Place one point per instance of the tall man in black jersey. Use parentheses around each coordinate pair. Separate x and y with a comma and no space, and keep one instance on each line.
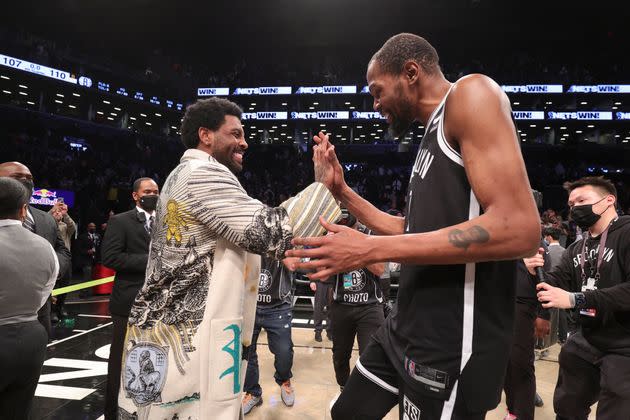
(470,213)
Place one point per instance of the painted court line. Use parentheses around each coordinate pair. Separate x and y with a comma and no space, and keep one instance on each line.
(80,334)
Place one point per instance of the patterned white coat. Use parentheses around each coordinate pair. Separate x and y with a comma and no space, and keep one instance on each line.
(183,353)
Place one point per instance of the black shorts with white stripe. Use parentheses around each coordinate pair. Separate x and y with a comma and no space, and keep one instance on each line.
(374,388)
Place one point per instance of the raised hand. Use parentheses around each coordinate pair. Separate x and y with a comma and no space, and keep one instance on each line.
(328,170)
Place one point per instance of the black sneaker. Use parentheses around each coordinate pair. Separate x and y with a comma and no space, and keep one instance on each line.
(329,335)
(318,336)
(538,402)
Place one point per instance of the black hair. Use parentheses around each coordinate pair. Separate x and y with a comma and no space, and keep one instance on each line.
(138,182)
(554,232)
(209,113)
(598,182)
(401,48)
(13,196)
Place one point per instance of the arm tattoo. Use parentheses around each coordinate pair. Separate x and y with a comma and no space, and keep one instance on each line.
(463,239)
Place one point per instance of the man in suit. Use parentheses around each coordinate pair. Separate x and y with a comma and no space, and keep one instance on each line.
(552,236)
(42,224)
(125,248)
(85,251)
(555,252)
(28,269)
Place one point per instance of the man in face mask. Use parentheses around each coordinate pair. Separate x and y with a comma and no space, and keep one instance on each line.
(593,279)
(125,249)
(42,224)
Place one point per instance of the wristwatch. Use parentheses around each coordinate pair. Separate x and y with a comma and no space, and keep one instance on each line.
(580,301)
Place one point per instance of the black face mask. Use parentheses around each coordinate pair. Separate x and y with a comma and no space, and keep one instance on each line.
(28,183)
(149,202)
(584,215)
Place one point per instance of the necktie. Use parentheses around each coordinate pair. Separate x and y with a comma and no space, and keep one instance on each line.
(149,224)
(29,224)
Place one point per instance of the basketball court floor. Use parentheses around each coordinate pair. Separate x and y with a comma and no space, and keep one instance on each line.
(72,384)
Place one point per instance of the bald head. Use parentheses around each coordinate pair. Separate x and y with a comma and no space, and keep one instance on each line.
(19,172)
(15,170)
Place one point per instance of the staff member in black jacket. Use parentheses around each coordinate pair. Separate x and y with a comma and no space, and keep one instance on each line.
(125,249)
(593,278)
(41,224)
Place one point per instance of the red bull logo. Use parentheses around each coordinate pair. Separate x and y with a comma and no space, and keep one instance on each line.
(44,193)
(44,197)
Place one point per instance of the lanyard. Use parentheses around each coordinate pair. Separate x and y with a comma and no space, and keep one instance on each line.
(600,254)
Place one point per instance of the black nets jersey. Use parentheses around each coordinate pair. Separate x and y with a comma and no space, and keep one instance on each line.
(452,324)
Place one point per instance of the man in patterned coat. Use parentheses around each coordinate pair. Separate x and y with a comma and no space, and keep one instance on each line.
(193,318)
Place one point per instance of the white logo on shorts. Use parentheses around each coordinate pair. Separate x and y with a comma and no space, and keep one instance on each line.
(411,412)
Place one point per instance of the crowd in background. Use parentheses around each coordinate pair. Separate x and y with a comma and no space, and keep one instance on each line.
(101,171)
(174,76)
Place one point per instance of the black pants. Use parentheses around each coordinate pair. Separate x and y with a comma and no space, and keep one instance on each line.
(43,316)
(520,378)
(114,366)
(62,282)
(374,388)
(321,312)
(22,353)
(587,376)
(348,322)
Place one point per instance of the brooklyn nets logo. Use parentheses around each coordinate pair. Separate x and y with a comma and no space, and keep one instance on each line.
(354,281)
(265,281)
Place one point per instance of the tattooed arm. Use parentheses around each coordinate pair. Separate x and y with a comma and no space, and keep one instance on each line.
(478,122)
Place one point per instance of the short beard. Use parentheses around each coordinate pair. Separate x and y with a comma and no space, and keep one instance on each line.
(232,167)
(401,122)
(225,160)
(398,128)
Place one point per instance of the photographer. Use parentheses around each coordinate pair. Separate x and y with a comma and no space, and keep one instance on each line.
(273,314)
(356,310)
(593,278)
